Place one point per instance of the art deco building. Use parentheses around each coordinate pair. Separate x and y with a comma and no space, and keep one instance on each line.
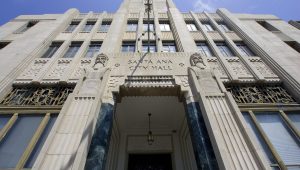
(132,91)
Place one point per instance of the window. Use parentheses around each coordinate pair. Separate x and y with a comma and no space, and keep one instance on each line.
(244,49)
(267,26)
(52,49)
(128,47)
(191,27)
(204,49)
(145,26)
(169,46)
(73,48)
(275,128)
(149,46)
(224,49)
(72,26)
(27,131)
(104,26)
(207,26)
(224,27)
(94,47)
(88,26)
(164,26)
(293,44)
(132,26)
(3,44)
(26,27)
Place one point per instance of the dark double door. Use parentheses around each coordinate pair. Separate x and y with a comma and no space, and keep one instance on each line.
(150,162)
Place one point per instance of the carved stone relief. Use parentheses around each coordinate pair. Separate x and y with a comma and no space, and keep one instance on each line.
(263,69)
(215,66)
(79,71)
(239,69)
(34,69)
(59,69)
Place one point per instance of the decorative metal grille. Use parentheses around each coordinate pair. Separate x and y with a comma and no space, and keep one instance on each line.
(37,96)
(260,94)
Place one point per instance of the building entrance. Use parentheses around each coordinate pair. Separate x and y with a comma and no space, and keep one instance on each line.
(172,147)
(150,162)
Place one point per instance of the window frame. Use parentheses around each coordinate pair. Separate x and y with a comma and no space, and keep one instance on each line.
(165,26)
(26,27)
(93,48)
(244,49)
(89,25)
(203,51)
(72,26)
(224,49)
(132,26)
(191,27)
(128,45)
(169,45)
(50,54)
(74,51)
(152,46)
(208,27)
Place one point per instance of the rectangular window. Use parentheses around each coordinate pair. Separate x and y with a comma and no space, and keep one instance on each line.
(282,138)
(132,26)
(224,27)
(73,48)
(104,26)
(295,118)
(224,49)
(244,49)
(94,48)
(145,26)
(267,26)
(191,27)
(52,49)
(26,27)
(293,44)
(204,49)
(164,26)
(151,47)
(128,47)
(88,26)
(207,26)
(72,26)
(3,44)
(169,46)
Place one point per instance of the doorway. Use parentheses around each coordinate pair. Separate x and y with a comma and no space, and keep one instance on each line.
(149,162)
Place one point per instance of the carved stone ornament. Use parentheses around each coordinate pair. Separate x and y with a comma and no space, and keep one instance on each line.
(100,61)
(198,60)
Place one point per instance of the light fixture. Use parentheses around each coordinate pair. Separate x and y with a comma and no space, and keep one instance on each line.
(150,138)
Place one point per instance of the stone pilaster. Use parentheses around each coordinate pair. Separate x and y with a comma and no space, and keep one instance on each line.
(229,142)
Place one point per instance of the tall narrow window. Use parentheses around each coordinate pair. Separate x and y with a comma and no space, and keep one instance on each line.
(88,26)
(128,46)
(224,49)
(132,26)
(3,44)
(267,26)
(73,48)
(26,27)
(207,26)
(224,27)
(151,46)
(164,26)
(293,44)
(204,49)
(244,49)
(72,26)
(94,47)
(104,26)
(145,26)
(169,46)
(191,27)
(52,49)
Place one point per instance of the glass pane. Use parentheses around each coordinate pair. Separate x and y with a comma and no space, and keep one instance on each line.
(281,137)
(40,142)
(17,139)
(259,139)
(3,120)
(295,118)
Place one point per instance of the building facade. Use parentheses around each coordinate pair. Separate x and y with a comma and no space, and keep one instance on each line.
(128,91)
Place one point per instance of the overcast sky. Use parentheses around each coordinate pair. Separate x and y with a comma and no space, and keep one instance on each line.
(285,9)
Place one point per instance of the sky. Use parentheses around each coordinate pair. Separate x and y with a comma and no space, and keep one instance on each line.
(284,9)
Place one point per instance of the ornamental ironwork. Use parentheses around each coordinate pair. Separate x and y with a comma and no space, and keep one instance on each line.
(37,96)
(260,94)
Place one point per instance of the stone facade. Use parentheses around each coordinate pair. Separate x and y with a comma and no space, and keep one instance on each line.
(84,132)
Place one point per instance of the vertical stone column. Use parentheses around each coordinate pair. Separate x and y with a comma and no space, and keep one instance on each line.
(98,151)
(68,143)
(182,36)
(204,154)
(231,145)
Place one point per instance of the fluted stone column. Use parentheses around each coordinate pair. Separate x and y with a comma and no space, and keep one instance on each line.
(223,122)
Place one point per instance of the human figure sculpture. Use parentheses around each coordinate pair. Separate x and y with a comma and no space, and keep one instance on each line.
(198,61)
